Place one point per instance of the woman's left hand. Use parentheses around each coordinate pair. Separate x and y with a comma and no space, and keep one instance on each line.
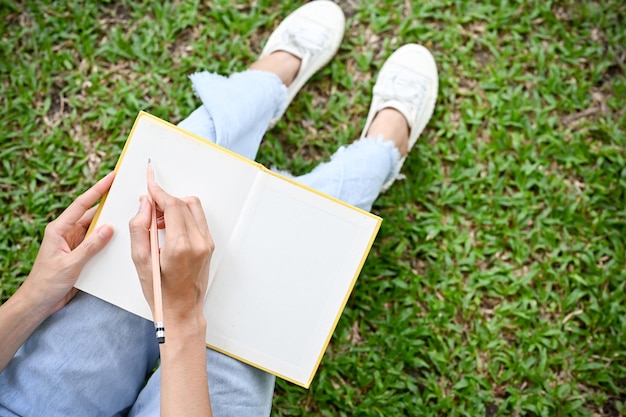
(65,250)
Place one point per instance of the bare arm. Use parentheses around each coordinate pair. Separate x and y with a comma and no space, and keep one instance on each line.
(49,286)
(19,317)
(184,385)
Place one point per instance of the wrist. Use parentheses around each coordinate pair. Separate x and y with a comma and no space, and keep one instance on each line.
(181,312)
(40,305)
(29,307)
(184,324)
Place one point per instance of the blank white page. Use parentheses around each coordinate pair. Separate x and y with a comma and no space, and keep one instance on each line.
(286,277)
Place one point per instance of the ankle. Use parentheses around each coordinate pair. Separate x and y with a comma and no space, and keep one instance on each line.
(392,126)
(281,63)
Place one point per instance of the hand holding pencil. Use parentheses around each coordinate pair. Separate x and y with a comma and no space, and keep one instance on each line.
(184,257)
(184,260)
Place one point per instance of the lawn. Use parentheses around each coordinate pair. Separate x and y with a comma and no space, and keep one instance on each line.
(496,286)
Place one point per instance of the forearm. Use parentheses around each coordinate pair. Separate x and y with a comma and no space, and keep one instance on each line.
(184,385)
(19,317)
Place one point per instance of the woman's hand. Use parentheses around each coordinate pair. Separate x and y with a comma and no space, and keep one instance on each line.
(185,255)
(65,250)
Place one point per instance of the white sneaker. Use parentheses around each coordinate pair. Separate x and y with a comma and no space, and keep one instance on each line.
(407,82)
(312,33)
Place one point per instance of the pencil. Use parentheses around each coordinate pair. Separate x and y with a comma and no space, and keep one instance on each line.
(156,267)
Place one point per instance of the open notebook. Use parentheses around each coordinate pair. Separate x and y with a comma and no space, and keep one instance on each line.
(286,256)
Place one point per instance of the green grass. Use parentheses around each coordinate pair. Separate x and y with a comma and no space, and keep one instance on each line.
(497,283)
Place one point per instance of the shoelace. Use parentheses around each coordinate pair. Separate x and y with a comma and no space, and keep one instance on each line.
(307,37)
(403,85)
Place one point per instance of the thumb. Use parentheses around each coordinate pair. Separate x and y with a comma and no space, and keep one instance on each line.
(92,244)
(140,235)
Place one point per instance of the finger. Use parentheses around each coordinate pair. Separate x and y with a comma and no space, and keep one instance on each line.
(92,245)
(85,221)
(197,212)
(139,227)
(160,219)
(173,210)
(83,203)
(157,194)
(141,253)
(159,212)
(194,234)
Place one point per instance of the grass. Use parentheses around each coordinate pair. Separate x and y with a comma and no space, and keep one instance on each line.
(496,285)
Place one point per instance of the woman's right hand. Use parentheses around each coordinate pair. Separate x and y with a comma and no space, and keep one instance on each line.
(184,260)
(184,257)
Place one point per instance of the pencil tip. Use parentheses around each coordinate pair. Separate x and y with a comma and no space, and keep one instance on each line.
(149,160)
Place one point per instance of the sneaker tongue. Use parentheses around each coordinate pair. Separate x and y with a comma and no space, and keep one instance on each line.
(402,85)
(404,91)
(305,38)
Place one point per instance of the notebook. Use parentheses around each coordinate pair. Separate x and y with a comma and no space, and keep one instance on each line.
(286,257)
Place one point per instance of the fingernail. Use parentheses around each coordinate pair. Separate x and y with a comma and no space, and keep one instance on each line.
(105,231)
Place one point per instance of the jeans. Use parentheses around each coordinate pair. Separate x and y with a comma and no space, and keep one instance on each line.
(94,359)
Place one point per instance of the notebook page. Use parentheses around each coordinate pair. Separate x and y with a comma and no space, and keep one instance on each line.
(286,277)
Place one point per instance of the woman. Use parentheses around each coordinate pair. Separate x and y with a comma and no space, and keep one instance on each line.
(87,357)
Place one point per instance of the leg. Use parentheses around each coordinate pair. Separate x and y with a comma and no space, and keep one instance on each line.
(356,173)
(90,358)
(236,110)
(235,113)
(403,102)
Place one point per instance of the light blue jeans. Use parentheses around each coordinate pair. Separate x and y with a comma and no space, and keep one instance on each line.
(94,359)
